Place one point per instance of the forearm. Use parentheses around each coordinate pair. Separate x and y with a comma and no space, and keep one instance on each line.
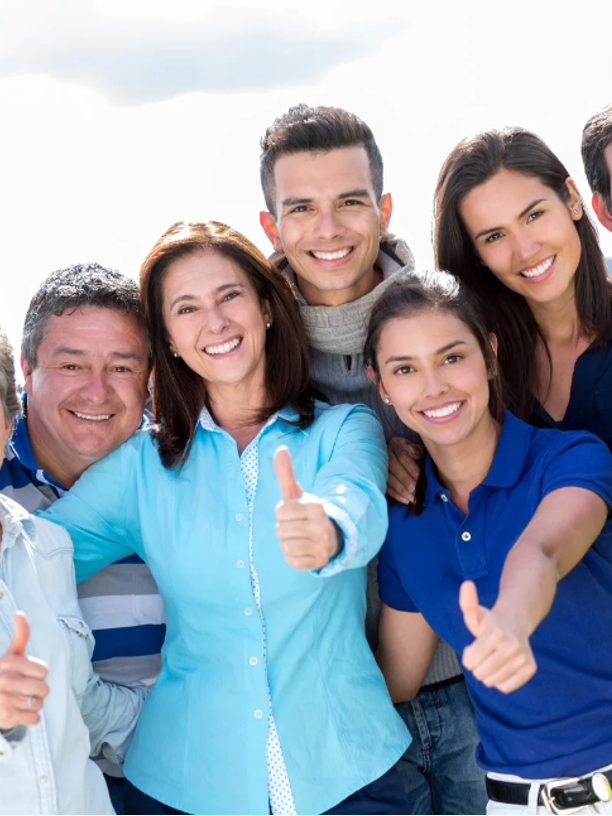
(527,586)
(110,713)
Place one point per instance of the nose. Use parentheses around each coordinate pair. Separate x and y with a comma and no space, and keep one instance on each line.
(434,382)
(216,321)
(98,389)
(525,245)
(329,224)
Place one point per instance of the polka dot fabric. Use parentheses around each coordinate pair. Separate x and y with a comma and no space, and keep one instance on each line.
(279,789)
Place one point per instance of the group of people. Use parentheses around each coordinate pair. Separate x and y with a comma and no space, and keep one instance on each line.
(339,527)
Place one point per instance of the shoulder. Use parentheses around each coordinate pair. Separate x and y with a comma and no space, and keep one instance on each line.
(335,418)
(547,444)
(45,538)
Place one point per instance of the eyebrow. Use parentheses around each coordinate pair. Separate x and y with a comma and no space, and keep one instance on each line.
(116,355)
(219,289)
(294,201)
(404,357)
(520,215)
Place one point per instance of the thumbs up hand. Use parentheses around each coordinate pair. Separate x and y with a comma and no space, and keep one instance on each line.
(22,680)
(500,656)
(308,537)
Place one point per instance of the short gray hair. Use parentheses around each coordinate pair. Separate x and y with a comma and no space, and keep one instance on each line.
(8,385)
(72,288)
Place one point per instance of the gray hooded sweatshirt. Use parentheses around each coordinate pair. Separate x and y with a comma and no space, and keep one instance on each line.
(336,337)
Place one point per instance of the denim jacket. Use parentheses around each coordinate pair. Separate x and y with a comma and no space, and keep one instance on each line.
(49,770)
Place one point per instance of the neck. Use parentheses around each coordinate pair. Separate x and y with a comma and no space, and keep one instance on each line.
(339,297)
(236,406)
(59,467)
(558,320)
(464,466)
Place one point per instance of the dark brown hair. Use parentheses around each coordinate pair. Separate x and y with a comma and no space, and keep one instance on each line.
(441,292)
(596,137)
(179,393)
(315,130)
(470,164)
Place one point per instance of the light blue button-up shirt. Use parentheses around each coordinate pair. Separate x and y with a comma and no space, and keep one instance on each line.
(200,744)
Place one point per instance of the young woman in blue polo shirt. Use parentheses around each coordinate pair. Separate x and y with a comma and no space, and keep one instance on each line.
(504,555)
(511,226)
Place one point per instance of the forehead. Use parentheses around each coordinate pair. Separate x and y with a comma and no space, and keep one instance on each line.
(423,333)
(94,330)
(502,198)
(316,175)
(200,272)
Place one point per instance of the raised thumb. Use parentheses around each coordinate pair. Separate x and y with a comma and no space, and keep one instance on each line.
(21,633)
(473,613)
(283,469)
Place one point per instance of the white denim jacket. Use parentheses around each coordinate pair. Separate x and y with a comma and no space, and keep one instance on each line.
(49,770)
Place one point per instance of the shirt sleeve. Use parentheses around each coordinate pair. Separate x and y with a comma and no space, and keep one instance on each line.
(390,586)
(352,486)
(579,459)
(95,513)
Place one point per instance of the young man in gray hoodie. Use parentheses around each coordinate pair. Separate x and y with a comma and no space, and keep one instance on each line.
(328,221)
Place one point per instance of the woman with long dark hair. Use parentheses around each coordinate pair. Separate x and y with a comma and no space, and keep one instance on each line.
(504,554)
(269,699)
(512,227)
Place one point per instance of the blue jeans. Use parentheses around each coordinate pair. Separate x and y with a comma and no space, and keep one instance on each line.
(439,769)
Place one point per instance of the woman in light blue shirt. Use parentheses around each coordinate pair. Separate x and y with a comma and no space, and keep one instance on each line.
(269,699)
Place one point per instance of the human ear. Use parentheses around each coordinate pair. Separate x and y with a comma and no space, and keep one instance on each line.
(268,224)
(386,208)
(27,375)
(601,211)
(574,204)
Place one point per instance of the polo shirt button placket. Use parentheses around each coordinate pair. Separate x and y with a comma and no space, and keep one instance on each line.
(466,536)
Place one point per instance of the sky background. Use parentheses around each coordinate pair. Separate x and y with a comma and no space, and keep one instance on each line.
(118,118)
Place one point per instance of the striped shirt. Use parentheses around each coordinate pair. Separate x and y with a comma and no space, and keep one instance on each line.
(121,603)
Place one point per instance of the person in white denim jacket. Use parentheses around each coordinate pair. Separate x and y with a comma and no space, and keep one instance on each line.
(54,710)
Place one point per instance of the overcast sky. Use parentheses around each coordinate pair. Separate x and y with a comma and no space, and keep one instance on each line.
(119,118)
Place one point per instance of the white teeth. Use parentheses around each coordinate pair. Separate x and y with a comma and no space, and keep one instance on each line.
(224,347)
(446,411)
(331,256)
(92,417)
(540,269)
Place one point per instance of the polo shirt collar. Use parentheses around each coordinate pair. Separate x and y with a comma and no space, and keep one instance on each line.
(508,462)
(22,448)
(288,414)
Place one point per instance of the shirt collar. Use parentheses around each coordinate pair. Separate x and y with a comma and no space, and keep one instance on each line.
(508,462)
(15,521)
(22,448)
(287,414)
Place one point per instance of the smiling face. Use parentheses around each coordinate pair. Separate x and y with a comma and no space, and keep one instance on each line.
(433,372)
(525,234)
(329,223)
(215,321)
(87,393)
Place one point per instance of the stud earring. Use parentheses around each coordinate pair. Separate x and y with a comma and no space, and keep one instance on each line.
(175,354)
(387,401)
(576,210)
(268,325)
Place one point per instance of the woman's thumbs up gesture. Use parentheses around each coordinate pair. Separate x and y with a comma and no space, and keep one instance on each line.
(308,537)
(22,680)
(500,656)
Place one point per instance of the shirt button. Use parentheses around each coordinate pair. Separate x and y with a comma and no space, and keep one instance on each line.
(466,536)
(240,563)
(43,780)
(248,611)
(444,497)
(239,517)
(258,714)
(253,661)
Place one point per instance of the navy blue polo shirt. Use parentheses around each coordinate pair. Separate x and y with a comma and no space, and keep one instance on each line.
(590,402)
(560,722)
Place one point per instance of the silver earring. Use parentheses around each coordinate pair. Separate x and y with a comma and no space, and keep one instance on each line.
(576,210)
(268,325)
(387,401)
(175,354)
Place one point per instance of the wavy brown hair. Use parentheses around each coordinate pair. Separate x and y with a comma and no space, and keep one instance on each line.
(179,393)
(471,163)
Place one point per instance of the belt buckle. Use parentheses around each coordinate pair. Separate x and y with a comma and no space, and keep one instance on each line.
(548,797)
